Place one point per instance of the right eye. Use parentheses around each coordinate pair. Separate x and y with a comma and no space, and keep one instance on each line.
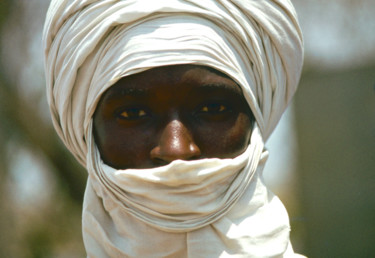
(132,113)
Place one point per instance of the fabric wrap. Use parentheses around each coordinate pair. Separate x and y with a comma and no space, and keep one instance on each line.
(202,208)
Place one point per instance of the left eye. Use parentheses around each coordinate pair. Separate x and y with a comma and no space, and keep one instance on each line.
(214,108)
(132,113)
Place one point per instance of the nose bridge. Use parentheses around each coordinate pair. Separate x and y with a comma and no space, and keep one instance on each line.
(175,142)
(175,134)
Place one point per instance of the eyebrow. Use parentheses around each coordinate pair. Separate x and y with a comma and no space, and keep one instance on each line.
(221,86)
(121,91)
(207,88)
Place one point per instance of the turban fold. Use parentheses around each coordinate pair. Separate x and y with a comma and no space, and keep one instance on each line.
(89,45)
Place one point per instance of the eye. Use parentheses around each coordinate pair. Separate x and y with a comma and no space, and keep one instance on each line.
(132,113)
(214,108)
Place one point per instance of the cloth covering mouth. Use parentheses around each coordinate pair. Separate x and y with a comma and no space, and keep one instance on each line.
(182,196)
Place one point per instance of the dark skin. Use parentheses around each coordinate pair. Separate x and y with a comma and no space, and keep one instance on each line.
(184,112)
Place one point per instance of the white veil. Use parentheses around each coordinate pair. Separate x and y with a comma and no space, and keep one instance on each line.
(228,211)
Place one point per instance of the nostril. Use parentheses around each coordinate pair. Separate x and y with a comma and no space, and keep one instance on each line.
(160,162)
(162,155)
(166,158)
(195,152)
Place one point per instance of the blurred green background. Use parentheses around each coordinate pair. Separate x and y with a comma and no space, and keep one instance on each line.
(322,158)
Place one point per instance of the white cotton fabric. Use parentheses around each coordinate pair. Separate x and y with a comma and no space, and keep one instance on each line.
(202,208)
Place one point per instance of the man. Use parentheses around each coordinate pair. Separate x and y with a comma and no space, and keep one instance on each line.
(168,105)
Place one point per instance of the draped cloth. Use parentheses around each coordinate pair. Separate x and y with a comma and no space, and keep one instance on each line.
(202,208)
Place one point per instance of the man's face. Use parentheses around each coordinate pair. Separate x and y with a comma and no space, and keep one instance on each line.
(167,113)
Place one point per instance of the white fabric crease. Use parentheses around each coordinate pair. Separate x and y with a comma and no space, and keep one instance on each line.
(202,208)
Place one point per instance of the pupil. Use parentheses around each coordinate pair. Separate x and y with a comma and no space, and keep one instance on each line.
(133,113)
(214,107)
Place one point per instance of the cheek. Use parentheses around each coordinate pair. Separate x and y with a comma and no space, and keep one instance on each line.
(226,140)
(121,148)
(240,134)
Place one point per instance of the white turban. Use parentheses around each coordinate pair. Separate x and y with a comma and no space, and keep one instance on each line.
(203,208)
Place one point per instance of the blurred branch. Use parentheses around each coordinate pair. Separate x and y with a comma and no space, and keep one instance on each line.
(6,221)
(20,119)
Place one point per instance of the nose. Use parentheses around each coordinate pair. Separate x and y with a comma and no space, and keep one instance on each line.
(176,142)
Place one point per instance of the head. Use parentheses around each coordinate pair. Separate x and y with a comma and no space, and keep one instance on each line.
(140,84)
(164,48)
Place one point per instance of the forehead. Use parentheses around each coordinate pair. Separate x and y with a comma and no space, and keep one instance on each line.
(175,79)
